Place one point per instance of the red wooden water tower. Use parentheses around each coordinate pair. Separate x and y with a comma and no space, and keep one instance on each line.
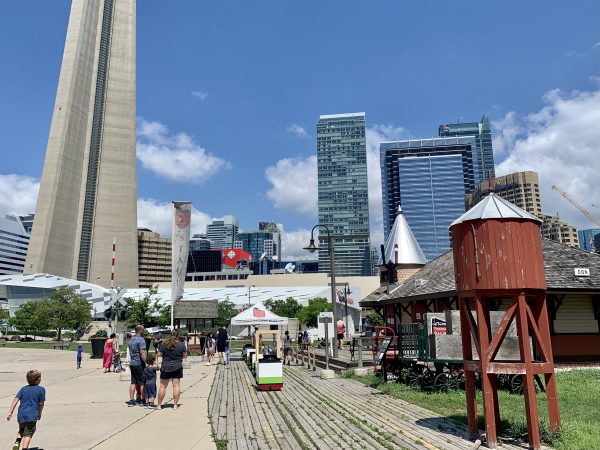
(498,255)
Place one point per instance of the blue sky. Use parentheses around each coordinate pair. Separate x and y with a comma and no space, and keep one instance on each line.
(234,90)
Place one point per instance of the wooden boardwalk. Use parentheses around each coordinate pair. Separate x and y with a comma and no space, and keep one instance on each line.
(311,413)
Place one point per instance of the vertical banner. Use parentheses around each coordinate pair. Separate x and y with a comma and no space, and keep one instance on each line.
(182,213)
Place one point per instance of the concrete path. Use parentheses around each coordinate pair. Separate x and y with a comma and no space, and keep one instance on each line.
(85,408)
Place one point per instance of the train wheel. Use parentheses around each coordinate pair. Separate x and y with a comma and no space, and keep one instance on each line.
(445,382)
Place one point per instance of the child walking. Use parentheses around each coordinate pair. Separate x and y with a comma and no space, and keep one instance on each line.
(32,398)
(79,355)
(150,382)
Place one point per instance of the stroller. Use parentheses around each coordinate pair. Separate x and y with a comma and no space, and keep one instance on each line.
(117,366)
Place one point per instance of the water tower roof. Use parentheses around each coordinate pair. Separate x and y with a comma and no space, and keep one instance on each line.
(402,238)
(494,207)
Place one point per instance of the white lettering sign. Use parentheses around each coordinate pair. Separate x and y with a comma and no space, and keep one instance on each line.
(582,272)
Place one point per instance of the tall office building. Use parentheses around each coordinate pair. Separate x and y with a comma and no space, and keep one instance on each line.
(154,258)
(343,192)
(14,240)
(521,189)
(199,242)
(87,192)
(586,239)
(483,140)
(223,232)
(429,179)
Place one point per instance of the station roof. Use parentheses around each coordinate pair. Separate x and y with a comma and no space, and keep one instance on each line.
(436,278)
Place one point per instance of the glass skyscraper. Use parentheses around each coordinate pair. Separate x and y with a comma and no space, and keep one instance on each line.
(222,233)
(483,140)
(429,179)
(343,192)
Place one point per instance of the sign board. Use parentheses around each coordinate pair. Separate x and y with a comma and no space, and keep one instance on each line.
(383,348)
(325,319)
(326,316)
(582,272)
(438,326)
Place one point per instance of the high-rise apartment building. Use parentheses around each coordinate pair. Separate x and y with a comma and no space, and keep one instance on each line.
(154,258)
(223,232)
(87,192)
(557,230)
(429,179)
(343,192)
(483,142)
(521,189)
(14,241)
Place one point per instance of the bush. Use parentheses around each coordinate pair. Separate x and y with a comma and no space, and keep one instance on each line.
(100,334)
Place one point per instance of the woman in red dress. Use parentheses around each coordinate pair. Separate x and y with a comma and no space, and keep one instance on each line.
(109,348)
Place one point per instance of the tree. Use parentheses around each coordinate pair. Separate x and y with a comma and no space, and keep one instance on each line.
(309,314)
(66,309)
(31,317)
(375,319)
(284,308)
(164,316)
(226,310)
(145,311)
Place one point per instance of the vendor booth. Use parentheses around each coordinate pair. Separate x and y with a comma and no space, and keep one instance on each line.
(265,360)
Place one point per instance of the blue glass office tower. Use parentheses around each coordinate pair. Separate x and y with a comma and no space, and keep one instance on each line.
(429,179)
(586,239)
(344,192)
(483,142)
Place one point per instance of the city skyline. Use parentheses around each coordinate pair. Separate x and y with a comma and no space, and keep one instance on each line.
(233,133)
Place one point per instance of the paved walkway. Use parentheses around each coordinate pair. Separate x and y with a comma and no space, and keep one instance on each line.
(85,408)
(311,413)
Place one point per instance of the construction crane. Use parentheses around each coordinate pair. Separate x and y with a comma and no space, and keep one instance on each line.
(576,204)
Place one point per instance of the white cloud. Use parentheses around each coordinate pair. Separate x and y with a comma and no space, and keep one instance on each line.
(18,194)
(294,184)
(596,45)
(158,217)
(176,157)
(560,142)
(376,135)
(200,94)
(293,243)
(296,129)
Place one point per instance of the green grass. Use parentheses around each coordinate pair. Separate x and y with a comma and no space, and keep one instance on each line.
(87,347)
(578,395)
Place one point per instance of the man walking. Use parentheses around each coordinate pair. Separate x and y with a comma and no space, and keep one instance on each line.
(138,354)
(341,332)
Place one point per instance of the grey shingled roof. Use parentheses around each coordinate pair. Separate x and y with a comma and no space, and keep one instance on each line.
(436,279)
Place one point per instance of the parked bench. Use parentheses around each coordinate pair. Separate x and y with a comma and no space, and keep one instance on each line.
(62,345)
(3,342)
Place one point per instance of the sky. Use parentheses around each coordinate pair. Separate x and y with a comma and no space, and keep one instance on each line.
(229,93)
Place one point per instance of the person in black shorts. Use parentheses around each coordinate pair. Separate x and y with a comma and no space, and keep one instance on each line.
(172,353)
(137,354)
(221,344)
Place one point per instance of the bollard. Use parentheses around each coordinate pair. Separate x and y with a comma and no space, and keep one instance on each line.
(314,361)
(360,361)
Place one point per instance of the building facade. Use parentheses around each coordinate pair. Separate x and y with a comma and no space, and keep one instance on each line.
(14,241)
(343,195)
(484,152)
(521,189)
(199,242)
(154,258)
(87,194)
(222,233)
(429,179)
(555,229)
(587,239)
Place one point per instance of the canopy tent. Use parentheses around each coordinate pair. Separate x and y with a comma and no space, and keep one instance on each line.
(258,314)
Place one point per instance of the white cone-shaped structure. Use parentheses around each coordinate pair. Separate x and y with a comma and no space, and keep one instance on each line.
(401,246)
(494,207)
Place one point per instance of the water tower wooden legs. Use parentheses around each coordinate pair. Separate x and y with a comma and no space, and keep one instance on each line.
(530,314)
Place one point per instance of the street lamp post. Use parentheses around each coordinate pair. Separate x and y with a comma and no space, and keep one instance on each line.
(331,250)
(347,292)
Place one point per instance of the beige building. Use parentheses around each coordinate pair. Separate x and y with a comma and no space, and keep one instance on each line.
(521,189)
(87,193)
(154,258)
(557,230)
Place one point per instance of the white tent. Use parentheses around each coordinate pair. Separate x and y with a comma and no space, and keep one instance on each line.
(258,314)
